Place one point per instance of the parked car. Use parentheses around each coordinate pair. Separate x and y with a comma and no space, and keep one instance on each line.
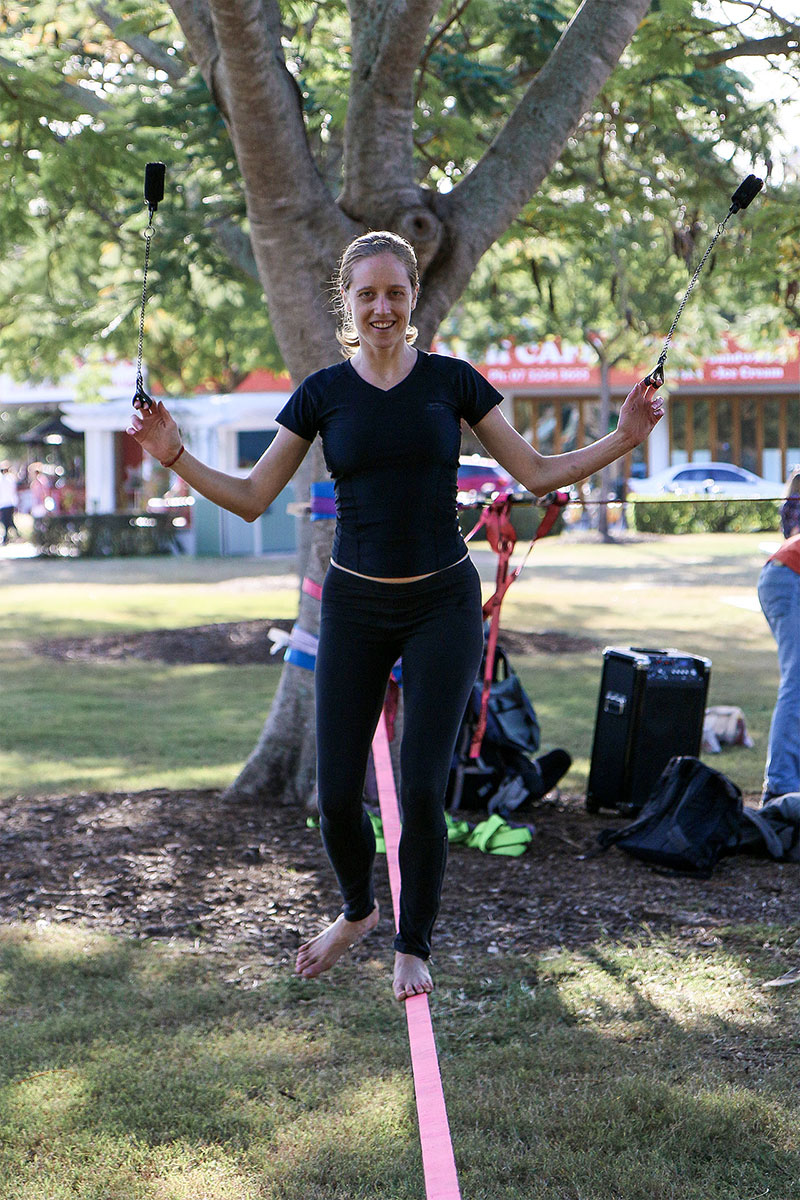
(479,476)
(698,478)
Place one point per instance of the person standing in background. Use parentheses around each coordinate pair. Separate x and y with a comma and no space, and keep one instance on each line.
(40,491)
(8,502)
(779,597)
(790,509)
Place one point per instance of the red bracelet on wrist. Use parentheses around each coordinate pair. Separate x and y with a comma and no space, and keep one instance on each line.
(172,461)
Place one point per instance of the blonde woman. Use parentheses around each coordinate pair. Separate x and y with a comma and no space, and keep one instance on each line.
(401,583)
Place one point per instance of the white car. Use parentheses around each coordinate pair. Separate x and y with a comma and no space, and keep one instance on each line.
(700,478)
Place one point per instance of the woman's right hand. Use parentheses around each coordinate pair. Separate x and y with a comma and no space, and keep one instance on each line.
(155,430)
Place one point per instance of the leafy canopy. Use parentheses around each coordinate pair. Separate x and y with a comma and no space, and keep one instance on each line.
(609,246)
(90,93)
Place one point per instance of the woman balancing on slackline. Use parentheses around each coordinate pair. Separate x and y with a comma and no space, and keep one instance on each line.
(401,582)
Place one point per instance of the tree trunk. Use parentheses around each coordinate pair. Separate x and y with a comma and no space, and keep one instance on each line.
(282,766)
(298,229)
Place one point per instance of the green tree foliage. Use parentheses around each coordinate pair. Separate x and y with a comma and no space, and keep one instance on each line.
(81,113)
(605,252)
(89,93)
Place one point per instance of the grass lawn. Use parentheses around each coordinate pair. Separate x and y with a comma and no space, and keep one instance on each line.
(641,1072)
(653,1067)
(132,725)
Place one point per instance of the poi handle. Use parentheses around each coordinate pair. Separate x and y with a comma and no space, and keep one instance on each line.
(656,377)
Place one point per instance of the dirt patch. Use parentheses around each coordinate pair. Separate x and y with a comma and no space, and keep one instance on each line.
(254,882)
(248,643)
(251,882)
(239,643)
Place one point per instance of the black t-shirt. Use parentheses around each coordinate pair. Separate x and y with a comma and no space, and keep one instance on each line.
(393,456)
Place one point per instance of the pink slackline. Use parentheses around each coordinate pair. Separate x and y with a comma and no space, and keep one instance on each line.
(438,1161)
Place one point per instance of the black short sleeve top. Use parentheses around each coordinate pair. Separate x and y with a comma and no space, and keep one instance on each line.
(393,456)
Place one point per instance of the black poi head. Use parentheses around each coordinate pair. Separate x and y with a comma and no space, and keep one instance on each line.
(154,174)
(746,192)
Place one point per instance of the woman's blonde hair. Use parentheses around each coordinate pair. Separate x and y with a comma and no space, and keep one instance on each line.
(369,245)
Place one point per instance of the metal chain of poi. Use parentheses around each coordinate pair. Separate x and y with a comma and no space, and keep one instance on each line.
(153,193)
(746,192)
(147,234)
(662,358)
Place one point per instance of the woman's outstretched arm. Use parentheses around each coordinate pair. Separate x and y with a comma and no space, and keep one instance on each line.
(541,473)
(247,496)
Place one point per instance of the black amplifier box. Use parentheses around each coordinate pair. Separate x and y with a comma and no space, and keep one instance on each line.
(651,707)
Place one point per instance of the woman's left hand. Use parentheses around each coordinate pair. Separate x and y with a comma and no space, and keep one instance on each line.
(641,412)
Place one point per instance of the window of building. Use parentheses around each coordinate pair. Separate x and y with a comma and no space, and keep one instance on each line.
(251,444)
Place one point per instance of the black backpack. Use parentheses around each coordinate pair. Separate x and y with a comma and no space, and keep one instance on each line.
(691,819)
(511,721)
(511,736)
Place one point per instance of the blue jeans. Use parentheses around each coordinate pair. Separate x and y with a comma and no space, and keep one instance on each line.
(779,597)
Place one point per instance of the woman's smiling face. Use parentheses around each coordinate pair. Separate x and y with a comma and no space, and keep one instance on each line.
(380,298)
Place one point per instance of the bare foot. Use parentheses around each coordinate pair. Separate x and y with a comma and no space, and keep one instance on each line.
(411,976)
(322,951)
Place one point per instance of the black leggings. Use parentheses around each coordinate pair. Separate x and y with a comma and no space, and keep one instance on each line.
(436,626)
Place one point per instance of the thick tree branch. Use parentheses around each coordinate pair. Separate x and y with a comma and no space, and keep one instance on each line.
(379,179)
(230,237)
(194,18)
(482,207)
(239,50)
(148,50)
(784,43)
(296,228)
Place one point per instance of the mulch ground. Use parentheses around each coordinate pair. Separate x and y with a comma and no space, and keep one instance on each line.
(245,642)
(252,882)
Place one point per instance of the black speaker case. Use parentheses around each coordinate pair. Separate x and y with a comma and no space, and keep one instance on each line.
(651,706)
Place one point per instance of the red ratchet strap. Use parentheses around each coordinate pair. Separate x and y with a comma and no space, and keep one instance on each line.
(502,537)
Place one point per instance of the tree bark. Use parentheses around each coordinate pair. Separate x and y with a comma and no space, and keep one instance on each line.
(298,228)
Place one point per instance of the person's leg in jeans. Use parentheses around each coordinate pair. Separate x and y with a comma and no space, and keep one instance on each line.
(353,664)
(440,664)
(779,596)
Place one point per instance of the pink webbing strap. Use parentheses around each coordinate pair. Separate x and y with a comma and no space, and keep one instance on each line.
(438,1161)
(312,589)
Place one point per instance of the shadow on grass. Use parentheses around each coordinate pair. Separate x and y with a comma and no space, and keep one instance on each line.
(638,1073)
(131,1065)
(650,1072)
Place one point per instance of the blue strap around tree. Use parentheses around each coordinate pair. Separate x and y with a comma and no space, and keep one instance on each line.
(323,502)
